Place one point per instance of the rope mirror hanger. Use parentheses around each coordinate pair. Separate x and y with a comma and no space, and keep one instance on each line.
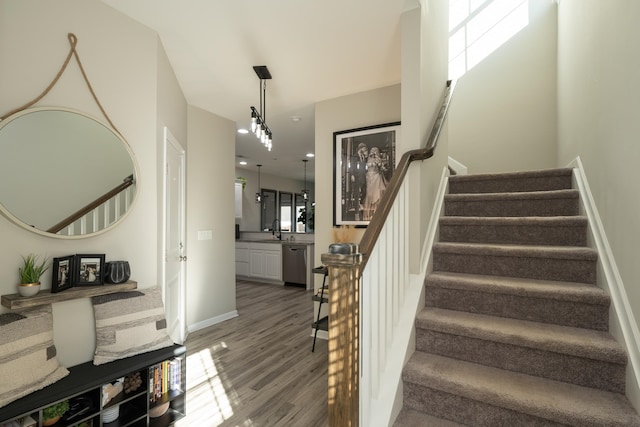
(73,42)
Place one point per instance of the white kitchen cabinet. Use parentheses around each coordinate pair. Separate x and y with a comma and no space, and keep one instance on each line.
(242,259)
(265,260)
(273,264)
(259,260)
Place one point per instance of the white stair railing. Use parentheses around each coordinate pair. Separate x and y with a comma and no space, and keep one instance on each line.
(102,216)
(383,288)
(369,284)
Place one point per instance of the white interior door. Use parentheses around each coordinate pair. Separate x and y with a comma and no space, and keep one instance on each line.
(174,263)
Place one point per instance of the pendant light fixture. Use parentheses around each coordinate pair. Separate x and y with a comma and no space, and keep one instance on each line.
(259,193)
(259,118)
(305,192)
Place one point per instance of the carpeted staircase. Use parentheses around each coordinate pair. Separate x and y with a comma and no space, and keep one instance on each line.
(514,332)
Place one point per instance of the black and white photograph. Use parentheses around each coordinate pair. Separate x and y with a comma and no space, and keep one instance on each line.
(89,269)
(364,160)
(62,274)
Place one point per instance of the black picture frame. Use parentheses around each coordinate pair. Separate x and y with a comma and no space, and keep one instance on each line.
(89,270)
(62,277)
(360,177)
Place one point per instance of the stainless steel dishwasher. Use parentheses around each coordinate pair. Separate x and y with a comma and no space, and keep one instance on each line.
(294,264)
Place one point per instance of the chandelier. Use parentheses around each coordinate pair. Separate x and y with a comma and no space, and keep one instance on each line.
(305,192)
(259,193)
(259,118)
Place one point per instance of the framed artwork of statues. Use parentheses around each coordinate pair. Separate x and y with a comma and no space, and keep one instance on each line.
(364,160)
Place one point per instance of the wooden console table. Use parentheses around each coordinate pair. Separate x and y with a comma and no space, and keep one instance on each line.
(16,301)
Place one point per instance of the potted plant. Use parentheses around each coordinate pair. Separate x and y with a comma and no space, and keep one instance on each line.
(51,414)
(30,272)
(243,180)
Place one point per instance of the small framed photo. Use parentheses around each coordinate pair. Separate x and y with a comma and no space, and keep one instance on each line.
(62,274)
(89,270)
(364,160)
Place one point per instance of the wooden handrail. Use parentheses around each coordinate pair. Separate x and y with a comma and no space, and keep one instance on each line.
(126,183)
(345,263)
(380,216)
(344,329)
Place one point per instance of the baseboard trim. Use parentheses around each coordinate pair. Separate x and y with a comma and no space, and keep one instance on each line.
(458,167)
(611,281)
(322,335)
(259,280)
(212,321)
(432,229)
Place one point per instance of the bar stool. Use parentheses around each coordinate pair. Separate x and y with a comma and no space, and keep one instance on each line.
(321,298)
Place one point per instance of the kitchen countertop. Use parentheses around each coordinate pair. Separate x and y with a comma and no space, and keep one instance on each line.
(276,241)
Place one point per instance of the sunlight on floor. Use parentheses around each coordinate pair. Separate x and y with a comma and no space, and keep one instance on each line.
(208,403)
(479,27)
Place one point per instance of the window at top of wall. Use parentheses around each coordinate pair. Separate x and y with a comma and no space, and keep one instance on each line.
(479,27)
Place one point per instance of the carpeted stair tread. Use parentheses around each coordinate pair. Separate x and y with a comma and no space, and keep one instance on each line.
(515,331)
(539,180)
(581,342)
(412,418)
(565,263)
(584,357)
(511,250)
(552,230)
(514,175)
(555,401)
(528,195)
(534,203)
(533,288)
(563,303)
(544,221)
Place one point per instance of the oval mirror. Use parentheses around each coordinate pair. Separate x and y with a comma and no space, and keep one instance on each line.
(63,173)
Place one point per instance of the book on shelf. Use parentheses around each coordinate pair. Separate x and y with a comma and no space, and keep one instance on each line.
(26,421)
(164,377)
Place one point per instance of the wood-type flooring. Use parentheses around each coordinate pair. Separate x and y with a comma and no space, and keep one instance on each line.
(257,369)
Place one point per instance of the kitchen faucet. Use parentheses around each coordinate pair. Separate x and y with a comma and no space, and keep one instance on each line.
(275,230)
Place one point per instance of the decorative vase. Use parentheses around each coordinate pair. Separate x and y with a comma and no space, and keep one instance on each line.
(51,421)
(28,289)
(117,272)
(111,414)
(159,410)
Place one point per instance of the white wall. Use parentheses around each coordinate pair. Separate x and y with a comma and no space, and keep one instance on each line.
(503,115)
(119,57)
(348,112)
(424,76)
(598,105)
(134,82)
(424,65)
(211,286)
(172,113)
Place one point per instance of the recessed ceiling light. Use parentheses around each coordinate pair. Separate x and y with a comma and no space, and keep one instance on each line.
(243,163)
(296,118)
(243,131)
(310,155)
